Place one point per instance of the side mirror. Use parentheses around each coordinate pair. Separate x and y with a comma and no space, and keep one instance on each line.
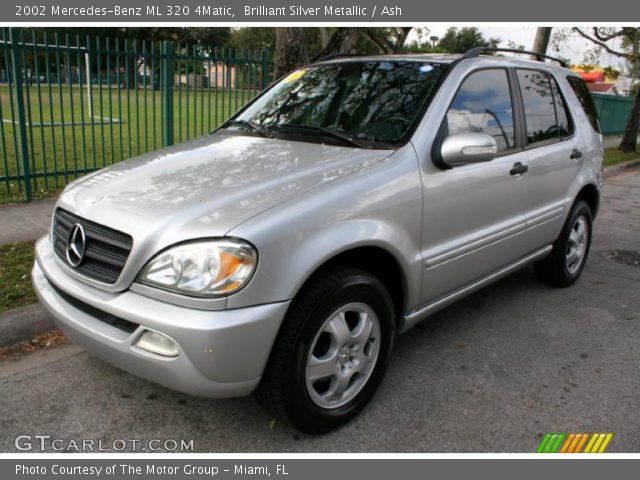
(464,148)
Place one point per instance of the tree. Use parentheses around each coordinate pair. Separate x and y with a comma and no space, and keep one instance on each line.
(370,40)
(343,40)
(254,38)
(294,47)
(388,39)
(630,51)
(611,73)
(198,38)
(291,51)
(459,40)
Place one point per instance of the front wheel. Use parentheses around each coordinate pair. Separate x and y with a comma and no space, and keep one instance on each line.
(566,261)
(331,352)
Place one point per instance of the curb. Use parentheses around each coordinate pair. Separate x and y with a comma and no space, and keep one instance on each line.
(23,323)
(620,167)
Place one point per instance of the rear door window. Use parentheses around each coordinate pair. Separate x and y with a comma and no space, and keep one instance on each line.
(546,115)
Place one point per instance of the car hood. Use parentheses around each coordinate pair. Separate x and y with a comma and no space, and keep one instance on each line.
(205,187)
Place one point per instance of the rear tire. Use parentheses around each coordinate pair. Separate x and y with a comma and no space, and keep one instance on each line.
(331,352)
(566,261)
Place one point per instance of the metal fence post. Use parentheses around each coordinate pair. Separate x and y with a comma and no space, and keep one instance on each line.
(265,69)
(14,38)
(167,92)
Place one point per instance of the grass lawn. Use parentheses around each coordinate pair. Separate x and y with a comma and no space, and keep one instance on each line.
(612,156)
(132,124)
(16,262)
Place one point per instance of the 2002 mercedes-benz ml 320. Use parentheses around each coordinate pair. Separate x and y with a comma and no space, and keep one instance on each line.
(350,200)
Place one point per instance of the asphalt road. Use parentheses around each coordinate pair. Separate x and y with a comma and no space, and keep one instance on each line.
(492,373)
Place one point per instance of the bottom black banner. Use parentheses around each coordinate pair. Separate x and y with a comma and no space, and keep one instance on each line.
(317,468)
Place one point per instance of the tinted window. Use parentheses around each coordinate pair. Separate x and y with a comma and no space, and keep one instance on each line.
(582,92)
(483,105)
(562,114)
(539,111)
(371,102)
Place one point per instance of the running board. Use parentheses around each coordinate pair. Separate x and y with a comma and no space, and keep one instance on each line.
(418,315)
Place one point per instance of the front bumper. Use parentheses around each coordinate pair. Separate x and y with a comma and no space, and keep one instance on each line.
(221,353)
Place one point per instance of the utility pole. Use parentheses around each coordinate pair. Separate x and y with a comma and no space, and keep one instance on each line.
(541,42)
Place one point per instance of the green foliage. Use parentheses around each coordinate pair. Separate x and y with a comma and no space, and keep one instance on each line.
(201,36)
(611,73)
(253,37)
(459,40)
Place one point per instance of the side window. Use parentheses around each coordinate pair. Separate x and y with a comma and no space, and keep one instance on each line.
(565,127)
(581,91)
(546,114)
(483,105)
(539,111)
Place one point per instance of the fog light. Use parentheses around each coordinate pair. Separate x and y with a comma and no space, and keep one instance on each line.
(158,343)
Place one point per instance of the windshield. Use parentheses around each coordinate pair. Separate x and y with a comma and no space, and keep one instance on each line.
(363,104)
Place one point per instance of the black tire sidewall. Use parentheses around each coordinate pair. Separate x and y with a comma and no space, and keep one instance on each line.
(580,209)
(301,409)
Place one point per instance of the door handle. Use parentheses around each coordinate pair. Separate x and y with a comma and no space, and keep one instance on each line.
(576,154)
(518,169)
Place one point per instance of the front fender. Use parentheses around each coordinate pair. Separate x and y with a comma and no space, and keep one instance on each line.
(380,206)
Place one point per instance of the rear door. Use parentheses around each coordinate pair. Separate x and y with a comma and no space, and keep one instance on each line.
(554,155)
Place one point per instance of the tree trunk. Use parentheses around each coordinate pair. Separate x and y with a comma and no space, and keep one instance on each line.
(541,42)
(630,138)
(291,50)
(403,33)
(388,41)
(343,40)
(324,37)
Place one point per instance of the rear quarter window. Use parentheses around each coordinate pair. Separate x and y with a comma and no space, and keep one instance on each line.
(582,92)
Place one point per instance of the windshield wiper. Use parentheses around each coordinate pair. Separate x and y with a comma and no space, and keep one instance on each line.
(251,125)
(323,130)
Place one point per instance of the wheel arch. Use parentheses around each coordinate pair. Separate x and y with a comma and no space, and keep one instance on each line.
(590,194)
(377,261)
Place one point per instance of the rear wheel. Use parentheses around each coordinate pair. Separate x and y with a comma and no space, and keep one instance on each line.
(566,261)
(331,352)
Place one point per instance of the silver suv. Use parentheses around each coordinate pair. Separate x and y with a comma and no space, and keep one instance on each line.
(351,200)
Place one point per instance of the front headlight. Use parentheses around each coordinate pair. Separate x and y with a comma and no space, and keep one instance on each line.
(204,268)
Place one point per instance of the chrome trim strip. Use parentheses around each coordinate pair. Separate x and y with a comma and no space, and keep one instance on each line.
(474,245)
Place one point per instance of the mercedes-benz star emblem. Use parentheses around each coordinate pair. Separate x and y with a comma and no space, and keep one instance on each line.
(76,245)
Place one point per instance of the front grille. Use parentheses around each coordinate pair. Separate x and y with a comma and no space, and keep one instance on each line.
(117,322)
(106,249)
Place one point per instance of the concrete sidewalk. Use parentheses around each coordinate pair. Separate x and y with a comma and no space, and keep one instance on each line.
(25,222)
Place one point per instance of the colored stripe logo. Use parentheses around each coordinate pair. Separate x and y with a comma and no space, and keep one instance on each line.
(574,442)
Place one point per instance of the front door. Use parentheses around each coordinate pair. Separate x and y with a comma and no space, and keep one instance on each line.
(473,215)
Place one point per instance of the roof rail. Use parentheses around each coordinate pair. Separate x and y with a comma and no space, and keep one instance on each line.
(474,52)
(333,56)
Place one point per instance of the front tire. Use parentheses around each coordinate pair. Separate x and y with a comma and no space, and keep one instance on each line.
(331,352)
(566,261)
